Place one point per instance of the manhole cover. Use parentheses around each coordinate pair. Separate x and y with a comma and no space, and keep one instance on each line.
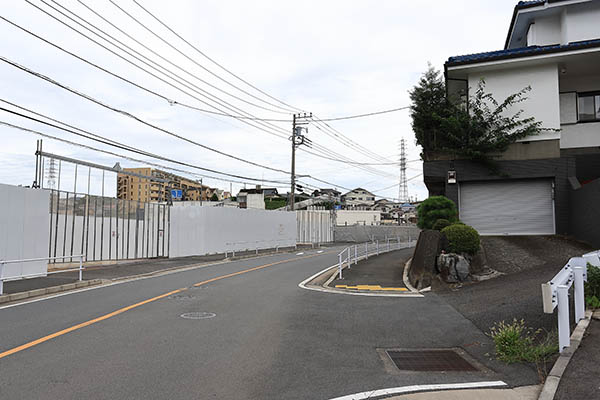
(429,360)
(198,315)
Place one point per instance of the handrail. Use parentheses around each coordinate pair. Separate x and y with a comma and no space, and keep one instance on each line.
(555,293)
(357,252)
(4,262)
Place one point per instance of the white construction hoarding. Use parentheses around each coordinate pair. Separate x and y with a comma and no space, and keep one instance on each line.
(210,230)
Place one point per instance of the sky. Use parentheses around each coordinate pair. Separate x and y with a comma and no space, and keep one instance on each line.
(332,59)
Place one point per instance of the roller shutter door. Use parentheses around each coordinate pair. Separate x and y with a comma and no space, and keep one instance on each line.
(508,207)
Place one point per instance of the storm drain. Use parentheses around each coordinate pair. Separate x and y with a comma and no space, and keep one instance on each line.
(429,360)
(198,315)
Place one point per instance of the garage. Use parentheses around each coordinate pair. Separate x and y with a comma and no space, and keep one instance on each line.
(516,207)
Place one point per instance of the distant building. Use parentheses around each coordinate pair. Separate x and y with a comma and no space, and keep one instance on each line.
(333,194)
(139,188)
(358,197)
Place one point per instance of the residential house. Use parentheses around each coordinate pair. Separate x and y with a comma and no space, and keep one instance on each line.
(333,194)
(358,197)
(553,47)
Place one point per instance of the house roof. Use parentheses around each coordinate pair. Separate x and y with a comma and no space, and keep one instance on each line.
(520,52)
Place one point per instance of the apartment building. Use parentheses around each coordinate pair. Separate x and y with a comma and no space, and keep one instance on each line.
(153,185)
(553,46)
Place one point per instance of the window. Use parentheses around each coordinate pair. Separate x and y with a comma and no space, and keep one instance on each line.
(589,107)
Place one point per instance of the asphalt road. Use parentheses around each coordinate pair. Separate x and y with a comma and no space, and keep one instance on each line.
(269,339)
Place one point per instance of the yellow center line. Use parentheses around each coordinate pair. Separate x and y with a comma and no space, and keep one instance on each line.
(141,303)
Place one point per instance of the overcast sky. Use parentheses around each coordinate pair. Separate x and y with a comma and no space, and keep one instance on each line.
(331,58)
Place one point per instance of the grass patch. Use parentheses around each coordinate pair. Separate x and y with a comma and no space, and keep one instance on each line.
(515,342)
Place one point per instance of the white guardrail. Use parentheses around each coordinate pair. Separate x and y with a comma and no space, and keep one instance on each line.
(19,277)
(556,293)
(357,252)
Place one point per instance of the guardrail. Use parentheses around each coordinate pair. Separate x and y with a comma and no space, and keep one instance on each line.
(357,252)
(555,293)
(255,245)
(15,278)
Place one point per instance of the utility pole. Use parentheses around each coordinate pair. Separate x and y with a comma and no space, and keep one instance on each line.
(297,140)
(293,178)
(402,185)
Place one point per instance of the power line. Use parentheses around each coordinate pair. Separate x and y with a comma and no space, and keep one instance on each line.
(286,110)
(124,147)
(212,60)
(127,114)
(365,115)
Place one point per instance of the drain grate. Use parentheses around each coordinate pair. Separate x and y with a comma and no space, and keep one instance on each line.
(429,360)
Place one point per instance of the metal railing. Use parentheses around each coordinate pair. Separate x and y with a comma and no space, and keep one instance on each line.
(19,277)
(353,254)
(555,293)
(255,246)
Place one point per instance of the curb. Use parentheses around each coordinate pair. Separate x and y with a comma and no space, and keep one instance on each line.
(553,379)
(5,298)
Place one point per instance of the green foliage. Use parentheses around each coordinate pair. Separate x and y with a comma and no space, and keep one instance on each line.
(462,238)
(515,342)
(592,287)
(275,203)
(214,197)
(440,224)
(474,131)
(434,208)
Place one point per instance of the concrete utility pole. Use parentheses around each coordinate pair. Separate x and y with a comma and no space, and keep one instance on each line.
(297,140)
(293,177)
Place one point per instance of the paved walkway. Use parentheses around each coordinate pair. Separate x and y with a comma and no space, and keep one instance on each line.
(581,379)
(379,273)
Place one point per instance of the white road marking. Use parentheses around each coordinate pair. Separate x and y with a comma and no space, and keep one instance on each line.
(301,253)
(319,252)
(420,388)
(325,290)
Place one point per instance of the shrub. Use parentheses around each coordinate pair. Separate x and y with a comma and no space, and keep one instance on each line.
(592,287)
(434,208)
(440,224)
(462,238)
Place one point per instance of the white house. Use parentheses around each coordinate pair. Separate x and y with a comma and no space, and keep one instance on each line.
(552,46)
(358,197)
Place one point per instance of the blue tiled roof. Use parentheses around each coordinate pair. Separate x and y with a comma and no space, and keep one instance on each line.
(520,52)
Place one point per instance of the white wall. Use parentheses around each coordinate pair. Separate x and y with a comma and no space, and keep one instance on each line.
(543,99)
(580,135)
(362,217)
(209,230)
(581,22)
(24,229)
(315,226)
(545,31)
(255,200)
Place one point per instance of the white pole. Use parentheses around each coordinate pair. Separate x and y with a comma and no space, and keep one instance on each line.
(349,258)
(377,244)
(340,265)
(579,295)
(355,254)
(563,317)
(367,250)
(81,267)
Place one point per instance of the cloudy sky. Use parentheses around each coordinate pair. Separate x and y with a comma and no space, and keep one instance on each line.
(331,58)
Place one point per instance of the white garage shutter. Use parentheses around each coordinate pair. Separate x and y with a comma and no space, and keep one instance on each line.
(508,207)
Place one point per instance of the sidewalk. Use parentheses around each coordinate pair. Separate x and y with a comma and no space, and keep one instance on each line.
(124,269)
(377,273)
(519,393)
(581,379)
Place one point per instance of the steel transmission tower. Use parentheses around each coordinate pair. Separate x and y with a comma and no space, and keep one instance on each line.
(51,174)
(402,185)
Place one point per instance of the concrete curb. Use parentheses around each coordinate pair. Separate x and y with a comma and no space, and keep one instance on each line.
(553,379)
(6,298)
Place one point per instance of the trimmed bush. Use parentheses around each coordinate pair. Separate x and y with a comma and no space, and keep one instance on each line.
(434,208)
(440,224)
(462,238)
